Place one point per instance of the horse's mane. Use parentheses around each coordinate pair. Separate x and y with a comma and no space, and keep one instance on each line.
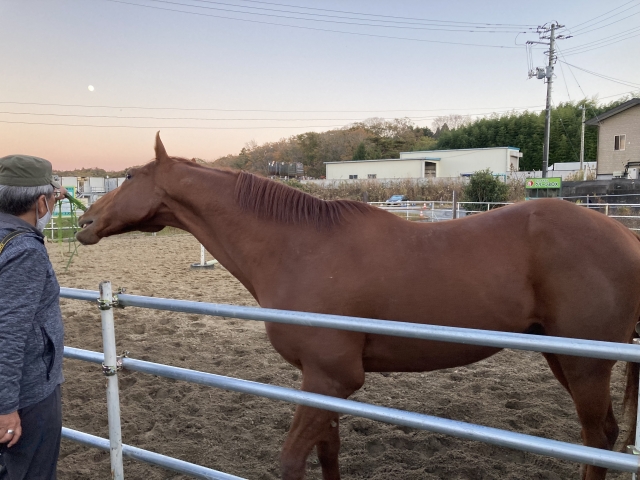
(274,200)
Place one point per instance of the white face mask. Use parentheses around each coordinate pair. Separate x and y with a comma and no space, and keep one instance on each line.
(42,222)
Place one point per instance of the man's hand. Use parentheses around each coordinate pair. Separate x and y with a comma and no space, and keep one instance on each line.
(60,194)
(10,429)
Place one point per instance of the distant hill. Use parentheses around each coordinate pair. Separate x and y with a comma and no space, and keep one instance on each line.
(378,138)
(90,172)
(99,172)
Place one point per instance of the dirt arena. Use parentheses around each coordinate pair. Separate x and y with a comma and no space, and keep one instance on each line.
(241,434)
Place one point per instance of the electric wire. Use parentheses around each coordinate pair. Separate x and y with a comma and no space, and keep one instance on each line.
(565,81)
(385,16)
(602,40)
(168,127)
(619,94)
(596,47)
(122,107)
(440,24)
(339,22)
(591,29)
(605,77)
(580,87)
(355,120)
(360,34)
(566,134)
(606,13)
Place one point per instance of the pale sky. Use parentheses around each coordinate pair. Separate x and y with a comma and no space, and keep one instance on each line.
(212,84)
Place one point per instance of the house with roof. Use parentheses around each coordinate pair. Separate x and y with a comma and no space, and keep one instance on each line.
(618,141)
(429,164)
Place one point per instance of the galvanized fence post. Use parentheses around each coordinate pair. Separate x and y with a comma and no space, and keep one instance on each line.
(635,449)
(110,370)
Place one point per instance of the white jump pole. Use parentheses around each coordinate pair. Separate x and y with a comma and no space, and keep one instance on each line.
(110,370)
(202,263)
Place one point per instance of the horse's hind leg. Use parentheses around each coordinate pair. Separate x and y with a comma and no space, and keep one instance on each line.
(588,383)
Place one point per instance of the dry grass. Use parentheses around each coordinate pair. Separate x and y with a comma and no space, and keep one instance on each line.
(417,190)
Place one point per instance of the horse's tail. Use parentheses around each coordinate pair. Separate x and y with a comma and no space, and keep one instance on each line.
(630,403)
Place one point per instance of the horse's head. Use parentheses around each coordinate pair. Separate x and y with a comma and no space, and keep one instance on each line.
(135,205)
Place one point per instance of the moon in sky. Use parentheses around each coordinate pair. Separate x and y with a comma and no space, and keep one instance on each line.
(90,87)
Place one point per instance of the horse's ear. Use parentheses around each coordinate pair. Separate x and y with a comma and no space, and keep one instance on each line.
(161,153)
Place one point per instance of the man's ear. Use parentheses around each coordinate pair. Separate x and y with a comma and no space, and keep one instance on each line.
(43,204)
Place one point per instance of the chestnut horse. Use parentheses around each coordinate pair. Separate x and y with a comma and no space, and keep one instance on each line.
(521,269)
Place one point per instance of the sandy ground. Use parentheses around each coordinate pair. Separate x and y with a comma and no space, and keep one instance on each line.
(241,434)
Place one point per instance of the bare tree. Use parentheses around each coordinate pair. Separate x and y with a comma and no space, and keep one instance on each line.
(453,121)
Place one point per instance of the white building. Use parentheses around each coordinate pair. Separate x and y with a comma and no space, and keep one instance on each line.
(429,164)
(91,188)
(570,169)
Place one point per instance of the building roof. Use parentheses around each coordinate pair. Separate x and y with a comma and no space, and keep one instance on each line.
(463,149)
(614,111)
(426,154)
(388,160)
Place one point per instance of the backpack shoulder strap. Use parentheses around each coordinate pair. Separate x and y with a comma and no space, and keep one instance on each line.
(9,237)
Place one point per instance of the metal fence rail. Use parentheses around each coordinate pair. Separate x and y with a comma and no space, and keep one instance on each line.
(566,451)
(146,456)
(469,431)
(469,336)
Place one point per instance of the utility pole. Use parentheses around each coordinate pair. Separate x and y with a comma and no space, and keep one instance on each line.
(584,173)
(547,120)
(547,74)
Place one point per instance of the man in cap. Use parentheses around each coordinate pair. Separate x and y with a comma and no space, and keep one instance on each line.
(31,331)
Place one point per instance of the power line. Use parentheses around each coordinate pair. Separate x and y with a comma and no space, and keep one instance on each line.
(340,22)
(173,127)
(577,52)
(616,95)
(314,28)
(436,23)
(355,120)
(565,132)
(602,40)
(605,77)
(578,83)
(385,16)
(349,125)
(121,107)
(606,13)
(583,29)
(565,81)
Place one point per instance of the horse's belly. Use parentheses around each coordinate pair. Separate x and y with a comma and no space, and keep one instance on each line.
(395,354)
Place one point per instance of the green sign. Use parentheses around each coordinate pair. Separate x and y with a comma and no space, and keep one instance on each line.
(553,182)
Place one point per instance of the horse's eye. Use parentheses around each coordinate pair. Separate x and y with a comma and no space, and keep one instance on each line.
(128,176)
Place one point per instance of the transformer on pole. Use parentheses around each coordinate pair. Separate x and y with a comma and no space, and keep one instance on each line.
(547,33)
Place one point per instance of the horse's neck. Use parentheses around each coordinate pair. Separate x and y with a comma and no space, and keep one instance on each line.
(204,204)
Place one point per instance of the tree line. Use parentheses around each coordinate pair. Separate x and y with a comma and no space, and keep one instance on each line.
(377,138)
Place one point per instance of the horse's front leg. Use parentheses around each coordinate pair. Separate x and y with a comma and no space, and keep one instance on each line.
(314,427)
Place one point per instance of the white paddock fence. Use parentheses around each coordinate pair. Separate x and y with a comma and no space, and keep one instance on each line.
(437,211)
(627,462)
